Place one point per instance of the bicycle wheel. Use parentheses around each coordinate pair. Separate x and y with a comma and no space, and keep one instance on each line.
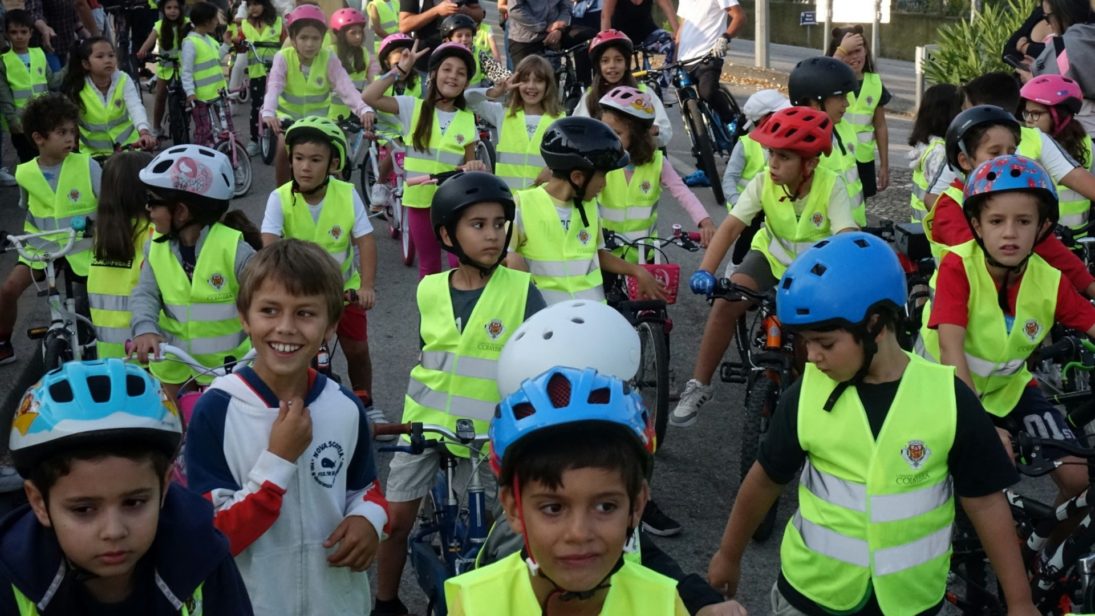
(484,153)
(241,162)
(652,380)
(55,350)
(177,121)
(268,143)
(366,179)
(760,403)
(406,245)
(701,146)
(709,122)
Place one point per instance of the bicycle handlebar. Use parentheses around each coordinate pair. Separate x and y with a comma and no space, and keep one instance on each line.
(80,227)
(183,357)
(558,53)
(433,178)
(726,289)
(417,431)
(685,239)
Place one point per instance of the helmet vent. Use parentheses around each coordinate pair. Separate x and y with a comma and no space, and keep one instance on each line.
(163,166)
(818,269)
(821,243)
(134,385)
(802,311)
(862,243)
(578,320)
(61,391)
(787,280)
(600,396)
(558,390)
(99,387)
(523,410)
(548,334)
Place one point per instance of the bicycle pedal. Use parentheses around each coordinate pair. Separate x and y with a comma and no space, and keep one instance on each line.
(733,372)
(37,333)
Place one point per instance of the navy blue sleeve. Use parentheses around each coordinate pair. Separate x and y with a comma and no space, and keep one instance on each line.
(223,592)
(362,470)
(206,467)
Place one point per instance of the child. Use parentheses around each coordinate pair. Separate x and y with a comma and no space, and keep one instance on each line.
(824,83)
(348,26)
(112,114)
(879,431)
(533,105)
(121,232)
(996,300)
(1050,104)
(802,203)
(263,29)
(589,448)
(103,533)
(320,208)
(462,29)
(24,74)
(439,132)
(629,201)
(169,32)
(190,277)
(384,20)
(928,156)
(470,214)
(302,80)
(564,255)
(202,74)
(284,453)
(55,187)
(610,53)
(484,40)
(866,108)
(389,129)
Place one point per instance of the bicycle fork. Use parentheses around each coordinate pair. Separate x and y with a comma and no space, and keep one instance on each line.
(473,525)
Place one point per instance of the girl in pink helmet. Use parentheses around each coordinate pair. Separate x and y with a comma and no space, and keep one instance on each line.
(348,28)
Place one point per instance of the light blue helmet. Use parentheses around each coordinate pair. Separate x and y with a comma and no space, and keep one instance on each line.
(839,281)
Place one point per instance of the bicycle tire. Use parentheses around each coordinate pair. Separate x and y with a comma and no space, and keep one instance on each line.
(56,350)
(702,149)
(760,402)
(268,145)
(366,179)
(177,122)
(406,244)
(485,153)
(242,162)
(708,119)
(652,380)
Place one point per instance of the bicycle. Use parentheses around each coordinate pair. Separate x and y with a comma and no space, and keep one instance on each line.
(117,11)
(355,148)
(243,92)
(650,317)
(70,335)
(176,117)
(447,537)
(226,142)
(566,75)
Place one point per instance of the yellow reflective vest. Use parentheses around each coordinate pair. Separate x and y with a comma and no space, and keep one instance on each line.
(166,69)
(25,81)
(518,159)
(104,125)
(861,109)
(630,207)
(755,162)
(192,607)
(49,209)
(388,13)
(445,152)
(207,70)
(199,313)
(564,262)
(920,181)
(305,96)
(939,248)
(333,231)
(504,587)
(997,358)
(109,285)
(874,511)
(785,234)
(1075,208)
(456,376)
(842,162)
(268,34)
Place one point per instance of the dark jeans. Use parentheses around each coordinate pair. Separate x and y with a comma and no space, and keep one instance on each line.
(258,91)
(571,37)
(24,147)
(141,22)
(706,75)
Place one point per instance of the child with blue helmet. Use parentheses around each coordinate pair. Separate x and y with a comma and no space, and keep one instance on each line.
(103,533)
(876,430)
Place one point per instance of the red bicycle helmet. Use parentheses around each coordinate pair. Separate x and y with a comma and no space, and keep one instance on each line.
(804,131)
(610,38)
(344,18)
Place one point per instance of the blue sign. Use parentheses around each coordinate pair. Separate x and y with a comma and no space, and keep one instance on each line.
(807,18)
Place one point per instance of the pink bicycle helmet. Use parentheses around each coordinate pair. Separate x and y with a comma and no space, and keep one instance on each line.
(629,101)
(390,44)
(1054,91)
(344,18)
(610,38)
(306,12)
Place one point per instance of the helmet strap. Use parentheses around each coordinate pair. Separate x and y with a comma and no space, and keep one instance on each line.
(466,260)
(321,186)
(1058,125)
(867,334)
(579,193)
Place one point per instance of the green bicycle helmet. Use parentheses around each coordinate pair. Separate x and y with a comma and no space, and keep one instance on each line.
(311,127)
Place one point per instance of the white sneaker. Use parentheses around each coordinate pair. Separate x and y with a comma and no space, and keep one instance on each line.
(378,196)
(7,180)
(695,395)
(253,149)
(376,417)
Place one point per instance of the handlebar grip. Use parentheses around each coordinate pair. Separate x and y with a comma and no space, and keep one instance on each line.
(1058,350)
(695,236)
(387,429)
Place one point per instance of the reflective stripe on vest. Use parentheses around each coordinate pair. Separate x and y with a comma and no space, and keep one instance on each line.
(49,209)
(784,234)
(207,70)
(445,152)
(458,370)
(387,11)
(755,162)
(194,606)
(564,262)
(860,114)
(105,123)
(842,162)
(920,181)
(629,207)
(333,231)
(305,96)
(1075,208)
(997,359)
(25,81)
(109,285)
(518,159)
(199,314)
(269,33)
(874,511)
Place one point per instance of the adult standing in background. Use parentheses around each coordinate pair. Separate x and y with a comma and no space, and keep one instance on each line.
(635,18)
(538,25)
(422,19)
(1073,26)
(55,22)
(705,30)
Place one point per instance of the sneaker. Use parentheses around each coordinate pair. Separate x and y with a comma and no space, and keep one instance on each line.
(253,149)
(376,417)
(392,607)
(657,523)
(695,395)
(378,196)
(7,180)
(7,353)
(697,178)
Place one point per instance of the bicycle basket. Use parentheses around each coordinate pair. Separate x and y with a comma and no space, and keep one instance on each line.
(667,274)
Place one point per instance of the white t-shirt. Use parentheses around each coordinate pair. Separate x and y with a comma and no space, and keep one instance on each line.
(406,112)
(704,21)
(1056,161)
(273,221)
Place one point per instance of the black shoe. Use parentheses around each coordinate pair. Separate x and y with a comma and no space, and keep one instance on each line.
(657,523)
(392,607)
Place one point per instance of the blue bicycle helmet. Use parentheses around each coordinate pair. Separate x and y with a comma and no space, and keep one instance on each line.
(839,281)
(568,397)
(1006,174)
(88,404)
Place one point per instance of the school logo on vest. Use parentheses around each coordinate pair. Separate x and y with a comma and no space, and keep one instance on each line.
(460,138)
(118,103)
(645,186)
(916,453)
(1031,329)
(495,328)
(216,281)
(817,219)
(74,195)
(335,232)
(583,237)
(327,461)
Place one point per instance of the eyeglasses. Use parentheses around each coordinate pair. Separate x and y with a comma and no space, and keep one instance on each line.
(1032,116)
(152,201)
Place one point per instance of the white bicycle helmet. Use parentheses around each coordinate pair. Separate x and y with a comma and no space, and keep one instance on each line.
(576,334)
(193,169)
(763,103)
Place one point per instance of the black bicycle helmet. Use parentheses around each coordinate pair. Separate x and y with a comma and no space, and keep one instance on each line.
(815,79)
(584,144)
(460,192)
(448,50)
(969,119)
(455,22)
